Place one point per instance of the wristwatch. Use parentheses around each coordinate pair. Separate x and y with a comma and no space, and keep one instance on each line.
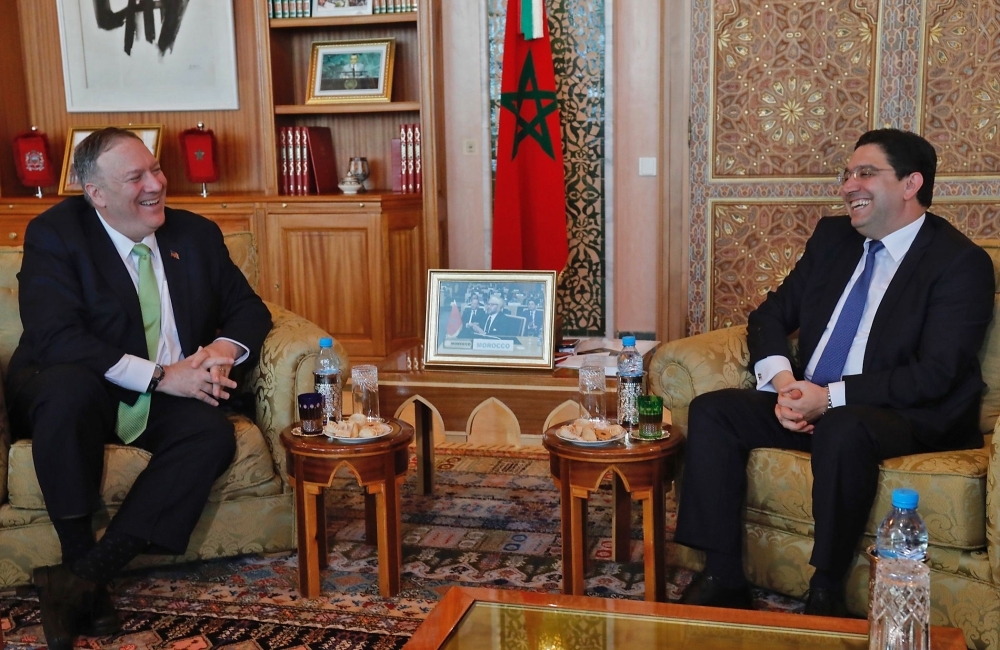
(158,373)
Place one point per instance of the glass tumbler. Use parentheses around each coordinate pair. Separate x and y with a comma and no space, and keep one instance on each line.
(650,417)
(901,606)
(364,391)
(311,412)
(359,169)
(593,387)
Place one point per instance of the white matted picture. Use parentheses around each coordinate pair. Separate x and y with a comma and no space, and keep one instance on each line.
(68,181)
(323,8)
(169,55)
(351,71)
(490,318)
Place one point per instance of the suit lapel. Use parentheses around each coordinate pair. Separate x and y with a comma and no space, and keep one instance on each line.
(177,273)
(844,263)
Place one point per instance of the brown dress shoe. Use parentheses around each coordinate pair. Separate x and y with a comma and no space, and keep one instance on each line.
(708,591)
(103,619)
(66,602)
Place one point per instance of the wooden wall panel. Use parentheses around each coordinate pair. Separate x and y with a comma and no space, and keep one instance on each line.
(405,288)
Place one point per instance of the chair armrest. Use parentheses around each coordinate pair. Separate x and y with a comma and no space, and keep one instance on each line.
(285,370)
(5,440)
(993,505)
(683,369)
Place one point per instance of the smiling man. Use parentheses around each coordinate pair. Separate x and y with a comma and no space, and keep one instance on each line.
(891,304)
(134,316)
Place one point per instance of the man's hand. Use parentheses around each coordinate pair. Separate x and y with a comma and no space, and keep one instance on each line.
(800,404)
(183,380)
(477,329)
(217,358)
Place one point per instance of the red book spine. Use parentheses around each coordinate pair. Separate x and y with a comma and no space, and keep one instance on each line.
(410,181)
(299,178)
(283,149)
(306,173)
(403,182)
(397,167)
(417,182)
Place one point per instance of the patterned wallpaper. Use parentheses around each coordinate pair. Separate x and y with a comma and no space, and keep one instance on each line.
(577,31)
(780,93)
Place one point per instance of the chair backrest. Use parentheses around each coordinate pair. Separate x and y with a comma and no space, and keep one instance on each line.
(989,356)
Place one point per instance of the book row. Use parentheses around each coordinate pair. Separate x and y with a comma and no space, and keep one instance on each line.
(406,172)
(322,8)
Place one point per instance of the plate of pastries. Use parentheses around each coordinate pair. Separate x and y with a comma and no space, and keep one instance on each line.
(591,432)
(356,428)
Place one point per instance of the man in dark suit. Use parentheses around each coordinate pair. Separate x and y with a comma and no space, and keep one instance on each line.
(891,304)
(497,323)
(532,319)
(472,315)
(134,316)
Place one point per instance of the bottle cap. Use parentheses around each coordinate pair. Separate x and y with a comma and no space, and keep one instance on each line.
(628,340)
(326,342)
(905,498)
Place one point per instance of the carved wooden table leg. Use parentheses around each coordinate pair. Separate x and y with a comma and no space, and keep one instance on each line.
(621,520)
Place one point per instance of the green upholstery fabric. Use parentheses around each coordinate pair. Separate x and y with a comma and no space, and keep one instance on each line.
(250,506)
(959,491)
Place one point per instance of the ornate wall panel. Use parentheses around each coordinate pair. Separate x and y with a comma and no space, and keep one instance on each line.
(780,93)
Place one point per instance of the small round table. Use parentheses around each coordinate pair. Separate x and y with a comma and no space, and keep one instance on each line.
(641,470)
(379,465)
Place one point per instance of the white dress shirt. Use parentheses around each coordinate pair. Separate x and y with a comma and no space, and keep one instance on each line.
(887,262)
(132,372)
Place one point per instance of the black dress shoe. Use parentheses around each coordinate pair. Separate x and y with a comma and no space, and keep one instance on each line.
(821,601)
(709,591)
(66,602)
(103,619)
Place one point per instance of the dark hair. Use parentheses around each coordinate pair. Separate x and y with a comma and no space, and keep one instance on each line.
(90,149)
(907,153)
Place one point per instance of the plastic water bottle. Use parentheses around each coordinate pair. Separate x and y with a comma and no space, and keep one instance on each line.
(326,380)
(629,383)
(902,533)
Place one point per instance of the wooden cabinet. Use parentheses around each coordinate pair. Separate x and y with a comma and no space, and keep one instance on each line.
(14,218)
(348,265)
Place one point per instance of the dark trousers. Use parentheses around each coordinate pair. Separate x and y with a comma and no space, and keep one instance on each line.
(70,416)
(847,445)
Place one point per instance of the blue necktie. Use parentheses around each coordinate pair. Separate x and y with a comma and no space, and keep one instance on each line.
(831,364)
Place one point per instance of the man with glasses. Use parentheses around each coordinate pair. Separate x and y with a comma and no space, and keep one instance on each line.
(891,305)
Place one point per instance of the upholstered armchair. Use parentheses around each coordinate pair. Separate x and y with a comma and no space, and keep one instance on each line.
(250,506)
(959,492)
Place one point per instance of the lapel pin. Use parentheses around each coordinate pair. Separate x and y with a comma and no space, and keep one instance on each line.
(174,255)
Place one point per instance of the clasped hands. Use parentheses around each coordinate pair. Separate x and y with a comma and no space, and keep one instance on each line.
(204,375)
(800,402)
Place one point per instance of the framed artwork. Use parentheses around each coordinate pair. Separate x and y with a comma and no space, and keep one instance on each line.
(351,71)
(170,55)
(490,318)
(324,8)
(69,183)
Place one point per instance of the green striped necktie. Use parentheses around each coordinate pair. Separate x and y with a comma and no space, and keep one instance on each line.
(132,419)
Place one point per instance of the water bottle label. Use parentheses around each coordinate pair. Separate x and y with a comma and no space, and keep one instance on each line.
(328,385)
(629,390)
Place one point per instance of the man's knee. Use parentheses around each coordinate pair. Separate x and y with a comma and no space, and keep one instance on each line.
(842,432)
(62,394)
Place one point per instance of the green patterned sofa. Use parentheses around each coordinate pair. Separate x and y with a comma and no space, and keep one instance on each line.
(959,491)
(250,508)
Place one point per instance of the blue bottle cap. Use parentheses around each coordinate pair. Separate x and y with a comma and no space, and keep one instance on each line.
(326,342)
(905,498)
(628,340)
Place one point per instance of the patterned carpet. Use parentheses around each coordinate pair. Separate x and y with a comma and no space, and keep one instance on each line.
(493,521)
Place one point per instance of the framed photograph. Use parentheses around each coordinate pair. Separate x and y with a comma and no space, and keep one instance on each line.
(69,183)
(351,71)
(490,318)
(324,8)
(148,56)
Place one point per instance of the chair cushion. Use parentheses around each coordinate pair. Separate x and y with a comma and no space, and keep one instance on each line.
(952,487)
(252,471)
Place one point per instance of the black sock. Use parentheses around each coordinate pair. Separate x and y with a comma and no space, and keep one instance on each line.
(76,537)
(108,557)
(826,580)
(727,568)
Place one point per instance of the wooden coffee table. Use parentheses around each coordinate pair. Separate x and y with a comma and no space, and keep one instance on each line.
(380,466)
(484,618)
(640,470)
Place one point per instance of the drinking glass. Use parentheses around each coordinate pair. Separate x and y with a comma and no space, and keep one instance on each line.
(901,606)
(592,393)
(359,169)
(650,417)
(364,391)
(311,412)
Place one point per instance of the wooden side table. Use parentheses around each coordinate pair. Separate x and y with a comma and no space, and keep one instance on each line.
(380,466)
(641,470)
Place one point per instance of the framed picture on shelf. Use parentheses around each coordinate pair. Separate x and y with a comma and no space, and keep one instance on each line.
(490,318)
(68,181)
(324,8)
(351,71)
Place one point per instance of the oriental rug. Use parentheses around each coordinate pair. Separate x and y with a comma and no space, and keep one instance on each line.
(493,521)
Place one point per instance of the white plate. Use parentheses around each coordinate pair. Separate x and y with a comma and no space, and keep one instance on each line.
(386,430)
(591,443)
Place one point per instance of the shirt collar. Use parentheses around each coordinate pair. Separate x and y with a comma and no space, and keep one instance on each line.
(898,242)
(123,244)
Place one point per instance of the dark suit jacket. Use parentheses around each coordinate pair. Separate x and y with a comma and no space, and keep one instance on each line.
(538,317)
(479,316)
(78,304)
(922,354)
(502,325)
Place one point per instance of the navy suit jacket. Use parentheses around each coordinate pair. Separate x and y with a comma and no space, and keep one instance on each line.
(922,354)
(79,306)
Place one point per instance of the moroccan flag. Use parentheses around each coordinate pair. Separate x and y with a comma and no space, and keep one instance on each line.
(529,206)
(454,321)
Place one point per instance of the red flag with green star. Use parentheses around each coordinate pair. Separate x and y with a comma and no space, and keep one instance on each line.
(529,205)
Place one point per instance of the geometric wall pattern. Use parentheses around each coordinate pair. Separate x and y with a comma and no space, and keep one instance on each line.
(780,93)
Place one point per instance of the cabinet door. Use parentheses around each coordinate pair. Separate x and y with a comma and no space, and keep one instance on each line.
(15,215)
(406,277)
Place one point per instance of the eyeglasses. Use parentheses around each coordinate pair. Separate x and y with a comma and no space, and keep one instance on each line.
(861,173)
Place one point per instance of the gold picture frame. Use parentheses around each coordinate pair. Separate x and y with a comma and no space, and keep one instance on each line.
(490,318)
(351,71)
(68,183)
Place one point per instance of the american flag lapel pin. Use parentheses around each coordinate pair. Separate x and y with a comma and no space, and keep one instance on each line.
(175,255)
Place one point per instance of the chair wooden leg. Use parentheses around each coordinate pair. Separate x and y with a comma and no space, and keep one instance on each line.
(424,435)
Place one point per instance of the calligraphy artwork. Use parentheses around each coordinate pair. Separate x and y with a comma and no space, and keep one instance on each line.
(148,55)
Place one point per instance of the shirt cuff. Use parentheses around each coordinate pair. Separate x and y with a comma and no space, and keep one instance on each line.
(131,373)
(838,393)
(766,369)
(243,357)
